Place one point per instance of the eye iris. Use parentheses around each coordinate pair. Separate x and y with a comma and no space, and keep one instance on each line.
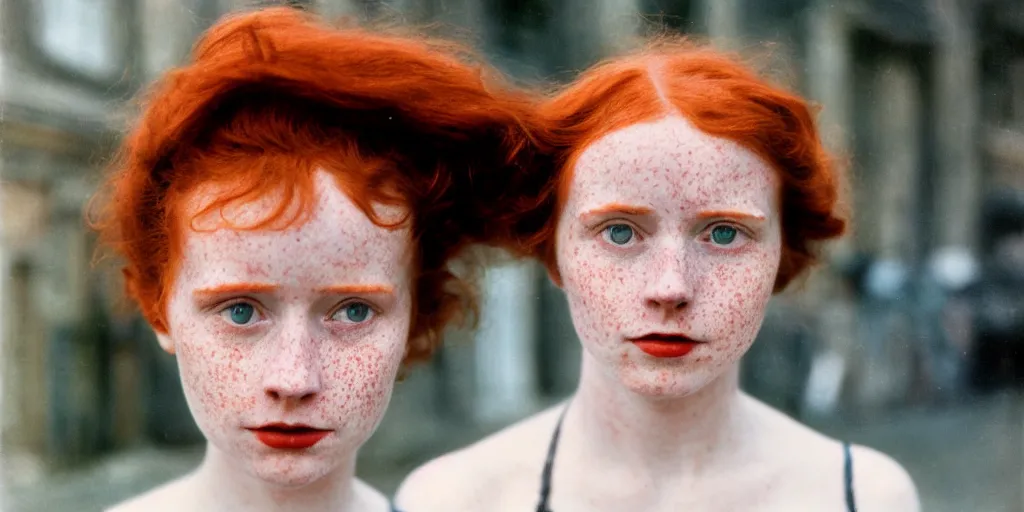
(620,234)
(723,235)
(357,312)
(241,313)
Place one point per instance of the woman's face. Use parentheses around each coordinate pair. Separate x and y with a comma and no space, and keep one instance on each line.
(289,341)
(668,246)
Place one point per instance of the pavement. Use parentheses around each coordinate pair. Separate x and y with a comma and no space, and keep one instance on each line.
(964,457)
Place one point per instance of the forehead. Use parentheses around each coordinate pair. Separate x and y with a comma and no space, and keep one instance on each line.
(671,160)
(335,242)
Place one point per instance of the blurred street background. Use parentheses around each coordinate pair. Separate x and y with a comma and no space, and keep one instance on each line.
(910,339)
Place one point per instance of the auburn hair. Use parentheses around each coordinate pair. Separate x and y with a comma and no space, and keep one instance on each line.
(722,97)
(271,96)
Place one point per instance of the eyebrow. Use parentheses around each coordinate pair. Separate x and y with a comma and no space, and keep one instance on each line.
(241,288)
(233,288)
(730,214)
(343,289)
(617,208)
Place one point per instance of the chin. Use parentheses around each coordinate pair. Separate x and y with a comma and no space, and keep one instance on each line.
(665,382)
(651,384)
(290,472)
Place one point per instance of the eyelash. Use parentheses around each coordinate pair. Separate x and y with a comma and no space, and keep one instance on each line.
(223,307)
(740,231)
(603,227)
(705,233)
(374,311)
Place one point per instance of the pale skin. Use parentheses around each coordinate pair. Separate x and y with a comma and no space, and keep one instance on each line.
(665,229)
(303,325)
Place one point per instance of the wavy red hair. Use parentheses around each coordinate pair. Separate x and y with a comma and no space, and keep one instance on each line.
(720,96)
(271,96)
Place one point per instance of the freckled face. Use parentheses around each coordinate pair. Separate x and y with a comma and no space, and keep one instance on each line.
(300,326)
(668,230)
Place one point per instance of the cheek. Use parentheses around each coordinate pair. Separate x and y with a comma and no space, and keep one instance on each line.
(739,292)
(599,290)
(218,377)
(360,377)
(588,277)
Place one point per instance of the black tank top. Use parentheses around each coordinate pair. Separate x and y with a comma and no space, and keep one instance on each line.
(549,465)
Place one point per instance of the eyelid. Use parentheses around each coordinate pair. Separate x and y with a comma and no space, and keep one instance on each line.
(258,309)
(746,231)
(605,224)
(219,305)
(737,244)
(341,305)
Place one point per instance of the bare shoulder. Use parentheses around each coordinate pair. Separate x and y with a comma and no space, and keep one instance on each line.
(479,475)
(881,483)
(171,496)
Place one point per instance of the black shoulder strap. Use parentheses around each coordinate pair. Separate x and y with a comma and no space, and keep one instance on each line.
(851,505)
(549,465)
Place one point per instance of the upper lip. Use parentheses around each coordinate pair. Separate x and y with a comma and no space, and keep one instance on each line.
(664,336)
(286,427)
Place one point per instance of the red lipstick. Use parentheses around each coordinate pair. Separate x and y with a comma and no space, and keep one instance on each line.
(664,345)
(283,436)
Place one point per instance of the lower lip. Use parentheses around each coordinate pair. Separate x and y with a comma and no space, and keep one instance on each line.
(665,349)
(291,439)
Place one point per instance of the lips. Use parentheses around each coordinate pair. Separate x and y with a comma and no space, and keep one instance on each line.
(283,436)
(664,345)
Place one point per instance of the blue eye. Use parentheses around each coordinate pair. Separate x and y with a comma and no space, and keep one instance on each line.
(356,312)
(723,235)
(619,234)
(241,313)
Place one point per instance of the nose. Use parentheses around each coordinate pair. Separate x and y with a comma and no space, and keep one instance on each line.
(669,285)
(292,371)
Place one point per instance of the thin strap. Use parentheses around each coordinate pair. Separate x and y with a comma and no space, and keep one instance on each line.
(851,505)
(549,465)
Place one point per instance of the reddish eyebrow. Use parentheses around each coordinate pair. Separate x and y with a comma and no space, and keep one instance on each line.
(234,288)
(618,208)
(343,289)
(729,214)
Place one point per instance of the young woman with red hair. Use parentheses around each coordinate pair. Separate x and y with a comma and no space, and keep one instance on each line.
(688,191)
(286,209)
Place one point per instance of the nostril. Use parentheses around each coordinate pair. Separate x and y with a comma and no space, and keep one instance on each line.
(674,303)
(299,395)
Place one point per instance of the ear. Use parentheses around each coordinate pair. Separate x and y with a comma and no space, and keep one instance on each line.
(162,337)
(165,341)
(551,266)
(555,278)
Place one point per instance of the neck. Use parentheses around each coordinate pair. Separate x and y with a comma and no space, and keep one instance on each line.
(670,436)
(225,486)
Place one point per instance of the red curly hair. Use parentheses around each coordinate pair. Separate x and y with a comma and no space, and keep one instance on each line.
(271,96)
(723,98)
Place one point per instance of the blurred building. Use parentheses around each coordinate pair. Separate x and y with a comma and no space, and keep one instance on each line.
(925,97)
